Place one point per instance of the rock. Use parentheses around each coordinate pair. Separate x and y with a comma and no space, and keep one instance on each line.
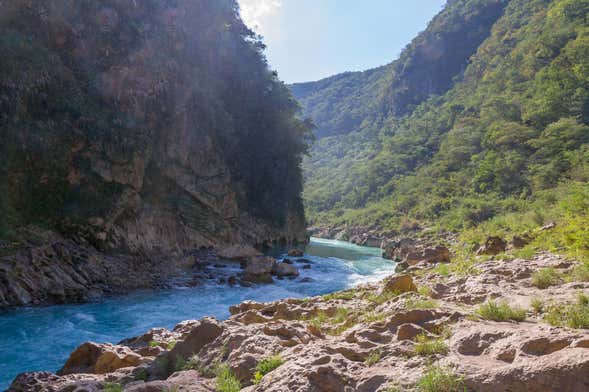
(294,252)
(232,280)
(99,358)
(288,261)
(409,331)
(259,269)
(307,280)
(399,284)
(238,252)
(372,242)
(306,266)
(304,261)
(285,270)
(493,246)
(401,266)
(549,226)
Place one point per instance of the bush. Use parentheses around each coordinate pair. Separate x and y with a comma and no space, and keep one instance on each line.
(439,379)
(545,278)
(226,380)
(427,346)
(265,366)
(491,310)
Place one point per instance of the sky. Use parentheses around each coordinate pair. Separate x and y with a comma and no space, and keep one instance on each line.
(311,39)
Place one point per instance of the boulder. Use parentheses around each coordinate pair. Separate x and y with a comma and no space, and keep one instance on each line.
(259,269)
(294,252)
(493,246)
(399,284)
(409,331)
(100,359)
(283,270)
(237,252)
(372,242)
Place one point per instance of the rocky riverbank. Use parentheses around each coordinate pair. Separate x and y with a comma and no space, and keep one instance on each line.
(497,325)
(59,270)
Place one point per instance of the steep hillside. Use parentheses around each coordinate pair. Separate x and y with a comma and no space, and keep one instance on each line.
(500,147)
(139,128)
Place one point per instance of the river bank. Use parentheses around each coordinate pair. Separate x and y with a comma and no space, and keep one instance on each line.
(495,327)
(42,338)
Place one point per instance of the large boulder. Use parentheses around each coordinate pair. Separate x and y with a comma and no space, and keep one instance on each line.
(295,252)
(285,270)
(259,269)
(399,284)
(99,359)
(237,252)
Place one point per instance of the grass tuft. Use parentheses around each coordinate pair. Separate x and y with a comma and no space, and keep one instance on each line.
(575,315)
(226,380)
(500,311)
(440,379)
(265,366)
(545,278)
(426,346)
(373,358)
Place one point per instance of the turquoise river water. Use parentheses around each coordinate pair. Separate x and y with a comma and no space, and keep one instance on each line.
(42,338)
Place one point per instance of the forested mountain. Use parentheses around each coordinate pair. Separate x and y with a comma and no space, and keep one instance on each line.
(143,126)
(500,132)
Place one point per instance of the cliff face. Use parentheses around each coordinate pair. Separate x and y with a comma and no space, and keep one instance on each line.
(149,127)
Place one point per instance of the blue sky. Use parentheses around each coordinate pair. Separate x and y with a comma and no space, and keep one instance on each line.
(312,39)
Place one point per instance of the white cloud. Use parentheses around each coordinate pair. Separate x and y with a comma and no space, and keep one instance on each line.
(255,12)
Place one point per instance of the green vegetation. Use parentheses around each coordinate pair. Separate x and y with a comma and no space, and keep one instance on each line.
(58,104)
(112,387)
(421,303)
(537,305)
(373,358)
(428,346)
(501,149)
(265,366)
(379,299)
(440,379)
(545,278)
(575,315)
(171,345)
(154,344)
(226,380)
(500,311)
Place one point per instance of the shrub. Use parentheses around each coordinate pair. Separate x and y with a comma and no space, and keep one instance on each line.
(154,343)
(427,346)
(439,379)
(573,316)
(265,366)
(226,380)
(545,278)
(491,310)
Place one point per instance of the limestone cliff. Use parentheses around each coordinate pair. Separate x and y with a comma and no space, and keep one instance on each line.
(134,130)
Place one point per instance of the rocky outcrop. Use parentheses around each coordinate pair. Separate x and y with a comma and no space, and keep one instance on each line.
(372,338)
(137,152)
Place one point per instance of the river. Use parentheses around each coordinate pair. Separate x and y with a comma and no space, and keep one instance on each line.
(41,338)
